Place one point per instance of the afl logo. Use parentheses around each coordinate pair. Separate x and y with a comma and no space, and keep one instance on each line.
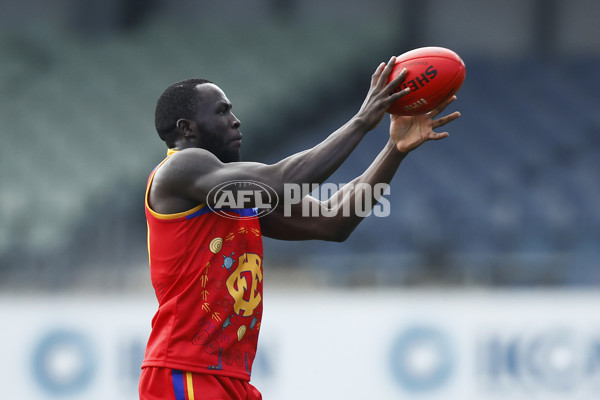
(242,199)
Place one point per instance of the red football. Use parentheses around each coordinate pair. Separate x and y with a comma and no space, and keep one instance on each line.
(433,75)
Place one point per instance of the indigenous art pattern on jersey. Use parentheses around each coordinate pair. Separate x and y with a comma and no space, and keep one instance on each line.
(208,278)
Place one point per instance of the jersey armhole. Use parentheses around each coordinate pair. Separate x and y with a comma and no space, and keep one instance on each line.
(157,215)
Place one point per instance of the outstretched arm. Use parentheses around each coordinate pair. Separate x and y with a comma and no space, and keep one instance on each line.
(192,173)
(335,218)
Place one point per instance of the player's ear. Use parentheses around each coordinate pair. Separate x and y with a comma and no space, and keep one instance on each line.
(184,127)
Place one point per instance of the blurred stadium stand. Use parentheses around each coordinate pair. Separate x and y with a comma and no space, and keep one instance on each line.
(510,199)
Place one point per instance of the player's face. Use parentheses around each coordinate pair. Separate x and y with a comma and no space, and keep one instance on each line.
(217,127)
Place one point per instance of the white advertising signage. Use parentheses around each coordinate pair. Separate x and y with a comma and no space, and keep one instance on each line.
(401,344)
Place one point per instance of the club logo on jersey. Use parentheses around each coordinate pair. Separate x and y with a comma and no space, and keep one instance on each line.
(245,283)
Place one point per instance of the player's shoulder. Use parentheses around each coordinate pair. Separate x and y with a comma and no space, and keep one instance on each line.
(190,157)
(189,162)
(189,152)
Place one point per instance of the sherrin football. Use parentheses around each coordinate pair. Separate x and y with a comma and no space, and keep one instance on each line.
(433,75)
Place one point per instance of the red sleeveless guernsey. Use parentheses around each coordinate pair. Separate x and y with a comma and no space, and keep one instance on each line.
(206,270)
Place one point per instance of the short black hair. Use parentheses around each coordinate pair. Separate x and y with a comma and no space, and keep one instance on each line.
(178,101)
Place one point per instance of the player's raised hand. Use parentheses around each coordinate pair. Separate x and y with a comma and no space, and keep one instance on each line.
(409,132)
(381,94)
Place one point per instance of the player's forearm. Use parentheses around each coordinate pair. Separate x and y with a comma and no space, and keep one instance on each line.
(319,162)
(353,202)
(384,167)
(381,171)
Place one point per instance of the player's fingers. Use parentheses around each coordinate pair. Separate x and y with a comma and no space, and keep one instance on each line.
(377,73)
(395,96)
(438,136)
(436,111)
(393,85)
(385,74)
(445,120)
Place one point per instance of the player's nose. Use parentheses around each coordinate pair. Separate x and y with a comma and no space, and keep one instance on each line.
(236,123)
